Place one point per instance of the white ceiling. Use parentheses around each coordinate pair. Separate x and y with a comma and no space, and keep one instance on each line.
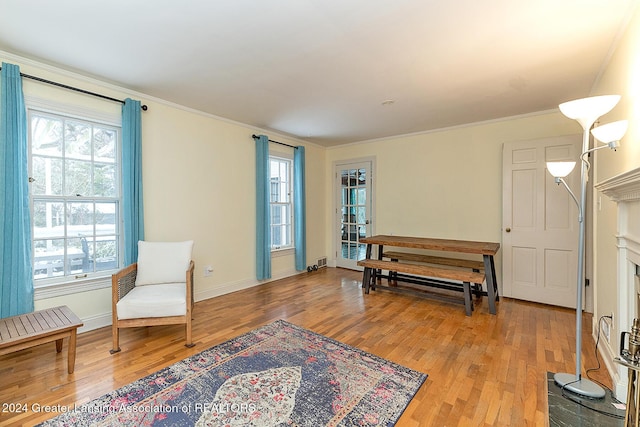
(320,70)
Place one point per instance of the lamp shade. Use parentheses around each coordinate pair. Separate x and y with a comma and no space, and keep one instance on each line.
(587,110)
(560,169)
(610,132)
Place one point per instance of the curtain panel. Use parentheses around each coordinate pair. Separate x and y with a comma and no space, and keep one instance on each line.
(132,201)
(299,208)
(16,274)
(263,217)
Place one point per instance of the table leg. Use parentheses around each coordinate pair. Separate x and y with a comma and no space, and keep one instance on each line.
(492,283)
(379,272)
(59,345)
(71,356)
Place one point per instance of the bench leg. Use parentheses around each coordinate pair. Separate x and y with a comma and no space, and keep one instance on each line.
(366,277)
(477,287)
(468,303)
(393,276)
(71,355)
(492,284)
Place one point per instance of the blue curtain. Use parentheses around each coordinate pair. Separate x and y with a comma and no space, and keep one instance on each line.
(263,217)
(16,275)
(132,206)
(299,209)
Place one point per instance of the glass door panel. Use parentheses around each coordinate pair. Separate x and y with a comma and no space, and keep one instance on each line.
(354,187)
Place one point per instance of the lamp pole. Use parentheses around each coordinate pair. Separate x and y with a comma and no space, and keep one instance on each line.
(575,382)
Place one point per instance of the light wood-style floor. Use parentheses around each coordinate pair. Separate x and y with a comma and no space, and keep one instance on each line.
(484,370)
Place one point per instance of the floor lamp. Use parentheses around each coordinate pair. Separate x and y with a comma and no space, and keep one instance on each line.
(586,111)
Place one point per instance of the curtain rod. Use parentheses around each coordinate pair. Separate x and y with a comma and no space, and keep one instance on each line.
(276,142)
(86,92)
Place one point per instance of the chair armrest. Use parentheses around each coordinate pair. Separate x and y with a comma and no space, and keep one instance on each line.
(123,281)
(190,284)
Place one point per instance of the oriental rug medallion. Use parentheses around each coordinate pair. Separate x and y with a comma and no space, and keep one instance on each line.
(277,375)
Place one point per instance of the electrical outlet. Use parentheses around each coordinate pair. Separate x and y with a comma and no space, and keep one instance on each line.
(606,330)
(208,270)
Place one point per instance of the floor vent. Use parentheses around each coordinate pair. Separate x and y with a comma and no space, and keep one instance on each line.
(322,262)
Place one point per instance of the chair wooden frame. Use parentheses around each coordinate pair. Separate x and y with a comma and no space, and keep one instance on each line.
(124,281)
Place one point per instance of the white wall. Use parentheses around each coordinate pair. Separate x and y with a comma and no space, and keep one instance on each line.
(199,183)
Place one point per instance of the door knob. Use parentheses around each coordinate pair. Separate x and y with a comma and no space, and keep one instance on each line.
(508,230)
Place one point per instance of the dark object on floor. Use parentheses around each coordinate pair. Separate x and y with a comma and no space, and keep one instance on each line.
(565,411)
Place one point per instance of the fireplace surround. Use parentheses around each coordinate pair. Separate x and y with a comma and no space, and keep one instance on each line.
(624,189)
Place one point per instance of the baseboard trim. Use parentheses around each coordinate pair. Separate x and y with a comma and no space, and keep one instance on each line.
(227,288)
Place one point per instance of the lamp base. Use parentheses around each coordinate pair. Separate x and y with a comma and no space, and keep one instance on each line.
(582,386)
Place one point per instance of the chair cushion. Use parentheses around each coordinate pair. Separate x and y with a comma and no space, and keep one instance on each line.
(163,262)
(166,299)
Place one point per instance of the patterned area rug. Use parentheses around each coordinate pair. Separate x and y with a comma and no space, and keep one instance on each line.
(276,375)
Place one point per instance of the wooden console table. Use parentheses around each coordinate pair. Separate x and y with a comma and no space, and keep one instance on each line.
(487,249)
(39,327)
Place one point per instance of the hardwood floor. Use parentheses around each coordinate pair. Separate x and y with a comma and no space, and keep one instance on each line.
(484,370)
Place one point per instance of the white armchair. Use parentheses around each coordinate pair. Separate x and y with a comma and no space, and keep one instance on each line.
(157,290)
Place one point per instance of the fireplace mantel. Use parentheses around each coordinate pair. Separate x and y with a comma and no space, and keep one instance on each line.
(622,188)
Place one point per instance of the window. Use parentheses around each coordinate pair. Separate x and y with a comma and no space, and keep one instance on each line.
(281,201)
(75,197)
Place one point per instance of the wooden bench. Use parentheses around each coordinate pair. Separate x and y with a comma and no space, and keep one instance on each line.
(477,266)
(39,327)
(428,259)
(465,277)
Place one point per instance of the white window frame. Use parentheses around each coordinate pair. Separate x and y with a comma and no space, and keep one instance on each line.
(283,249)
(66,285)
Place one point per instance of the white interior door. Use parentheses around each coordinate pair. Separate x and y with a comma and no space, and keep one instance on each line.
(540,222)
(353,212)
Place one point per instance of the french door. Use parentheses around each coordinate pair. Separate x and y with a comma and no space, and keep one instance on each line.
(353,211)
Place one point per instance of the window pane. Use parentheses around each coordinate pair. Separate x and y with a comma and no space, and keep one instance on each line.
(79,219)
(48,258)
(104,141)
(47,175)
(78,178)
(362,196)
(284,171)
(77,140)
(78,256)
(104,184)
(276,236)
(46,136)
(274,190)
(106,218)
(106,255)
(280,214)
(48,219)
(280,236)
(361,177)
